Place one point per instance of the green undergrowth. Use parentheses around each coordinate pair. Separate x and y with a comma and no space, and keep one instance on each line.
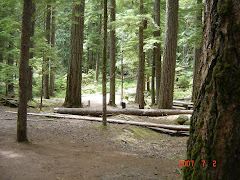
(141,132)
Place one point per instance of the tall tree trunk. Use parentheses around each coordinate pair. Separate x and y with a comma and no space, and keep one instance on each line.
(98,51)
(141,62)
(148,64)
(74,77)
(46,62)
(30,69)
(23,68)
(97,66)
(1,53)
(104,69)
(1,58)
(52,66)
(165,100)
(214,133)
(122,76)
(197,50)
(156,65)
(112,54)
(9,81)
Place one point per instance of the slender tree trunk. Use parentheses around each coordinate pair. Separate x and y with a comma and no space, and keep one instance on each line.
(197,50)
(9,81)
(98,52)
(112,54)
(104,70)
(46,62)
(1,53)
(52,67)
(23,68)
(153,83)
(148,64)
(30,69)
(156,65)
(1,58)
(74,78)
(122,77)
(214,133)
(141,63)
(165,100)
(97,66)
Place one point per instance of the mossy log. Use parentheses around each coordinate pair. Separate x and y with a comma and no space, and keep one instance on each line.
(138,112)
(9,102)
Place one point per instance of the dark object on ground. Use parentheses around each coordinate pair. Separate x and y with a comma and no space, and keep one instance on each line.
(123,104)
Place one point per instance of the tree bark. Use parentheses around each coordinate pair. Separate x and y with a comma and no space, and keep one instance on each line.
(23,68)
(156,65)
(104,68)
(74,77)
(98,51)
(141,62)
(52,66)
(214,132)
(46,60)
(122,76)
(138,112)
(112,54)
(165,100)
(197,50)
(149,56)
(30,69)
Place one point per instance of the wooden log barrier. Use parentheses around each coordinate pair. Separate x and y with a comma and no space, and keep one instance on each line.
(138,112)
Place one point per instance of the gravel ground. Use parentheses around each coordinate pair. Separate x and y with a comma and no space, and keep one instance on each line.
(75,149)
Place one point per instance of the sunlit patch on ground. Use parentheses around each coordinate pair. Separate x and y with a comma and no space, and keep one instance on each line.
(10,154)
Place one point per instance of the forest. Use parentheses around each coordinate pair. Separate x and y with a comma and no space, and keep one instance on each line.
(159,70)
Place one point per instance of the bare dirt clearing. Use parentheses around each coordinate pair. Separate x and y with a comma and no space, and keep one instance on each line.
(75,149)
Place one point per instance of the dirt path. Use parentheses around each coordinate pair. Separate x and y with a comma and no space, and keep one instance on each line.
(73,149)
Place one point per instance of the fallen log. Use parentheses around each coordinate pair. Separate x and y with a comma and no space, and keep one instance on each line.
(138,112)
(186,105)
(11,102)
(145,124)
(8,102)
(170,132)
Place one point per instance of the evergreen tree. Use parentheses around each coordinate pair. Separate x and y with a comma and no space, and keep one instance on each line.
(156,63)
(141,63)
(74,78)
(46,59)
(23,69)
(165,100)
(112,54)
(104,69)
(197,49)
(214,134)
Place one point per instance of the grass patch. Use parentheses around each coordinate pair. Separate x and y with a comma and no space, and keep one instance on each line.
(141,132)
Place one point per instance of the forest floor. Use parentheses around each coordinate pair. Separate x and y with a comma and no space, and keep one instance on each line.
(75,149)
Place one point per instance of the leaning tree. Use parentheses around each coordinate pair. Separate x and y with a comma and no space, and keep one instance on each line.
(214,143)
